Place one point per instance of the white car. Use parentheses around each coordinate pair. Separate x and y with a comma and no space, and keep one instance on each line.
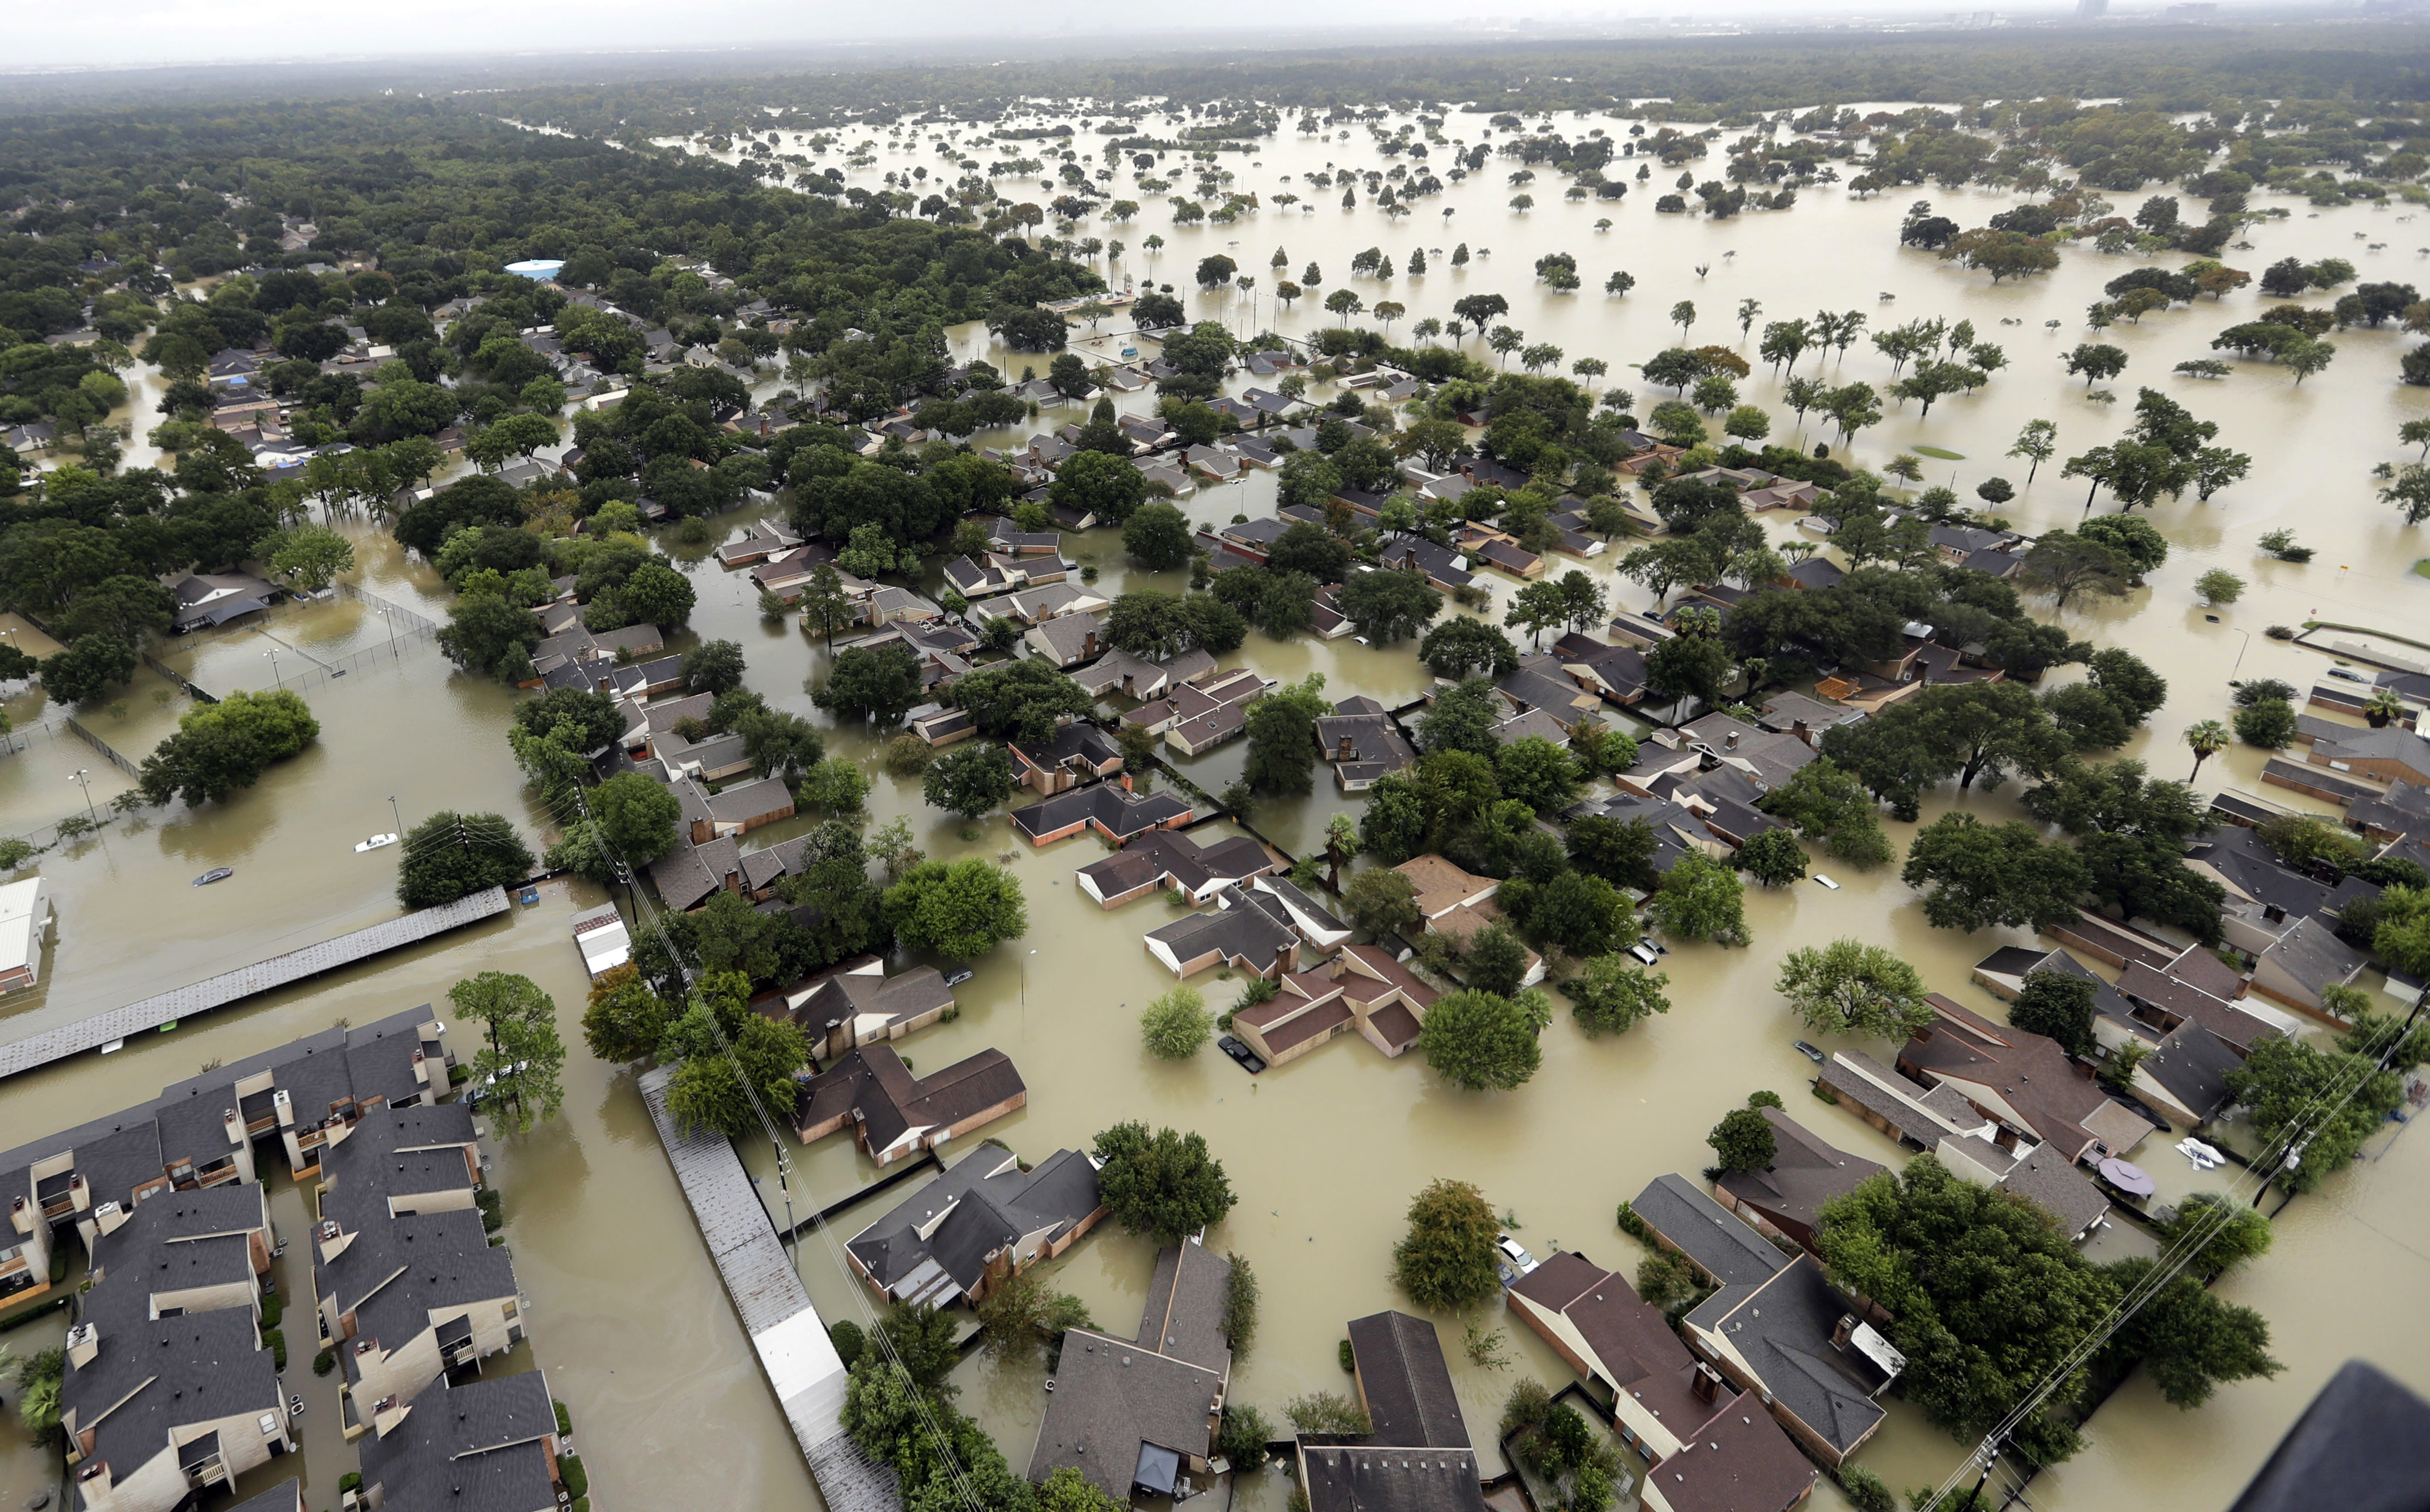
(1513,1259)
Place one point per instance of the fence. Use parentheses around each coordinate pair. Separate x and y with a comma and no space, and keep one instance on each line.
(406,631)
(193,690)
(102,746)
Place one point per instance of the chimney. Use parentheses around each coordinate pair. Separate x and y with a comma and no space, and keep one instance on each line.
(1843,1330)
(1706,1383)
(1799,731)
(1088,646)
(286,1106)
(2273,913)
(1347,750)
(84,1345)
(21,1214)
(1730,740)
(234,1125)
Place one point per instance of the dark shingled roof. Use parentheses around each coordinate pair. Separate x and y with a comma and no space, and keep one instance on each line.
(1706,1232)
(1783,1329)
(1740,1461)
(1407,1387)
(1356,1477)
(475,1448)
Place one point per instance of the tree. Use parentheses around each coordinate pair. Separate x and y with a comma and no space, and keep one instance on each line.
(1850,987)
(1094,483)
(2228,1232)
(1176,1024)
(1833,810)
(449,855)
(1023,700)
(1974,874)
(487,633)
(1688,666)
(524,1057)
(1743,1140)
(2410,492)
(1494,962)
(2297,1090)
(1282,737)
(1165,1186)
(87,669)
(2059,1005)
(1481,1040)
(969,780)
(1445,1260)
(1535,772)
(729,1054)
(1382,901)
(824,603)
(1157,537)
(308,556)
(1932,1249)
(635,816)
(878,685)
(1459,646)
(221,747)
(1700,899)
(624,1019)
(1022,1314)
(960,909)
(2220,587)
(2189,1341)
(1774,858)
(2269,724)
(713,667)
(2207,738)
(2064,565)
(2095,361)
(1387,604)
(1610,994)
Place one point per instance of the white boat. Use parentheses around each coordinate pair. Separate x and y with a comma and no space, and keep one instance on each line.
(374,843)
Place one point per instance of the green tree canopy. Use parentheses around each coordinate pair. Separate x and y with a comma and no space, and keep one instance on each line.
(1164,1184)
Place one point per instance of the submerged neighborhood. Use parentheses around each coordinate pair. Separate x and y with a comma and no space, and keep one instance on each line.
(891,727)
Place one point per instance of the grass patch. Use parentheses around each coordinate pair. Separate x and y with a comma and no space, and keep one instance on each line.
(1943,453)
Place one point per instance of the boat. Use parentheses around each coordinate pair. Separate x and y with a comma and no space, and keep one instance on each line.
(217,873)
(374,843)
(1807,1051)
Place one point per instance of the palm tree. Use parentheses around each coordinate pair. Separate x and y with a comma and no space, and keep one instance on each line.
(2384,708)
(2209,738)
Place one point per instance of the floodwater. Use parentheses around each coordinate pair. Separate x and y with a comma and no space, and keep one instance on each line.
(1325,1152)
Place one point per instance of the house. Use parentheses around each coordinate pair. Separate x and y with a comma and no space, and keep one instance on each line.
(757,545)
(1119,671)
(1110,810)
(1805,718)
(1541,683)
(604,942)
(1804,1351)
(1035,606)
(1417,1454)
(857,1004)
(1068,639)
(1361,990)
(1501,551)
(25,914)
(2023,1081)
(980,1222)
(1010,540)
(1444,570)
(1139,1415)
(1162,859)
(891,1115)
(1670,1406)
(2382,756)
(742,808)
(405,1284)
(1078,752)
(2304,964)
(1197,717)
(686,876)
(1251,931)
(490,1444)
(1456,904)
(169,1389)
(1722,1250)
(1916,1116)
(2036,1173)
(786,573)
(1616,674)
(210,600)
(1785,1199)
(1363,745)
(1740,1461)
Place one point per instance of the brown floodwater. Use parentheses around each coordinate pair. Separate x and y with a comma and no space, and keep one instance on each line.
(1325,1154)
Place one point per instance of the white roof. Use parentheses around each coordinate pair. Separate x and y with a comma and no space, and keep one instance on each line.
(23,906)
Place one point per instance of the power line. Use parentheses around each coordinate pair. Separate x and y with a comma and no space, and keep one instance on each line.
(2281,1154)
(653,924)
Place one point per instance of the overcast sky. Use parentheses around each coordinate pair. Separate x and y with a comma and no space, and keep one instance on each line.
(132,32)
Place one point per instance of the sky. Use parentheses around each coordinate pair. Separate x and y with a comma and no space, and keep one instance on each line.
(122,33)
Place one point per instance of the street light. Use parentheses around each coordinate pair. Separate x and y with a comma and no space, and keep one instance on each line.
(273,671)
(2240,649)
(83,777)
(396,815)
